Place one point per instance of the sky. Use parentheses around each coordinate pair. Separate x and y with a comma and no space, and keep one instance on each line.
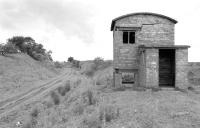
(81,28)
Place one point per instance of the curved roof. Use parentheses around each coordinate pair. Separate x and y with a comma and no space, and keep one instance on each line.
(140,13)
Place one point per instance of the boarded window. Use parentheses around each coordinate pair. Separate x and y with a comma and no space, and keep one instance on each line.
(128,78)
(128,37)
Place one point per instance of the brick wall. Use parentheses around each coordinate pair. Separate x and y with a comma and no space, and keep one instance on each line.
(151,67)
(154,30)
(182,68)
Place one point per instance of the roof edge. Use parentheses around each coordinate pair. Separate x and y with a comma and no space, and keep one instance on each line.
(141,13)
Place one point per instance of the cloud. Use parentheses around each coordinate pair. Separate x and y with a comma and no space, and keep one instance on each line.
(72,18)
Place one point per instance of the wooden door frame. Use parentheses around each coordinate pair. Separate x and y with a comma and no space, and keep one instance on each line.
(174,67)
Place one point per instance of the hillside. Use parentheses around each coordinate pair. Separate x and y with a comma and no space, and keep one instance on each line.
(75,100)
(19,72)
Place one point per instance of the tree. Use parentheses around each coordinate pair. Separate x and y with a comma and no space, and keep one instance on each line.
(98,61)
(70,59)
(29,46)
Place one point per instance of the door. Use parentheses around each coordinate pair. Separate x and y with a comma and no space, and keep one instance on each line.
(167,67)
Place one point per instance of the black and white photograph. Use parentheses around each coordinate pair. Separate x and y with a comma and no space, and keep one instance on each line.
(99,64)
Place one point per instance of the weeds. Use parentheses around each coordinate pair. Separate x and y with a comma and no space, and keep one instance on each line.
(191,88)
(140,88)
(179,89)
(108,113)
(90,98)
(78,109)
(119,89)
(62,90)
(33,119)
(92,121)
(155,89)
(48,104)
(98,82)
(35,113)
(98,119)
(55,98)
(27,125)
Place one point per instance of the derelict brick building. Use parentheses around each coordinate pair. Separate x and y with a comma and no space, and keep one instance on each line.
(143,45)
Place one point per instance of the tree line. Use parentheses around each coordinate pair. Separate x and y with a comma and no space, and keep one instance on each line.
(26,45)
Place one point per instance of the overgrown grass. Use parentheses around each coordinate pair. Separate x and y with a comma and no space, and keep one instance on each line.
(92,121)
(78,109)
(89,97)
(27,125)
(55,98)
(108,113)
(34,113)
(62,90)
(181,90)
(98,119)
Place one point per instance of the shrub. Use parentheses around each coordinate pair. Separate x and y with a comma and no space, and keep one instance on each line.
(35,113)
(70,59)
(108,113)
(191,88)
(98,61)
(179,89)
(58,64)
(98,82)
(48,104)
(76,63)
(8,48)
(78,109)
(62,90)
(155,89)
(90,99)
(67,87)
(90,72)
(27,125)
(55,98)
(92,121)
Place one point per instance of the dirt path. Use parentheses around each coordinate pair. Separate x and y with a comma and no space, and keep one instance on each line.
(9,104)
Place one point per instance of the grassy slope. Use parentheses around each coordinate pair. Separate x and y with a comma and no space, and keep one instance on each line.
(128,109)
(19,72)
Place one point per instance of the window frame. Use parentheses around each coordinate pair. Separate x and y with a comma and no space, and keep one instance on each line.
(129,33)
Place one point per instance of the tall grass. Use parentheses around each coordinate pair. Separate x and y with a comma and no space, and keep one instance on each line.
(55,98)
(62,90)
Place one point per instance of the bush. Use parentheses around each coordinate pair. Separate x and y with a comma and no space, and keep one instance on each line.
(58,64)
(108,113)
(37,56)
(98,61)
(191,88)
(90,72)
(70,59)
(76,64)
(29,46)
(92,121)
(179,89)
(62,90)
(78,109)
(55,98)
(89,97)
(27,125)
(34,113)
(48,104)
(9,48)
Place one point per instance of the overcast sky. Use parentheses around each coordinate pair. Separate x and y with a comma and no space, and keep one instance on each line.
(81,28)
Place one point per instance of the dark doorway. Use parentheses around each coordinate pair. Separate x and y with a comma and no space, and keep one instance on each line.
(167,67)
